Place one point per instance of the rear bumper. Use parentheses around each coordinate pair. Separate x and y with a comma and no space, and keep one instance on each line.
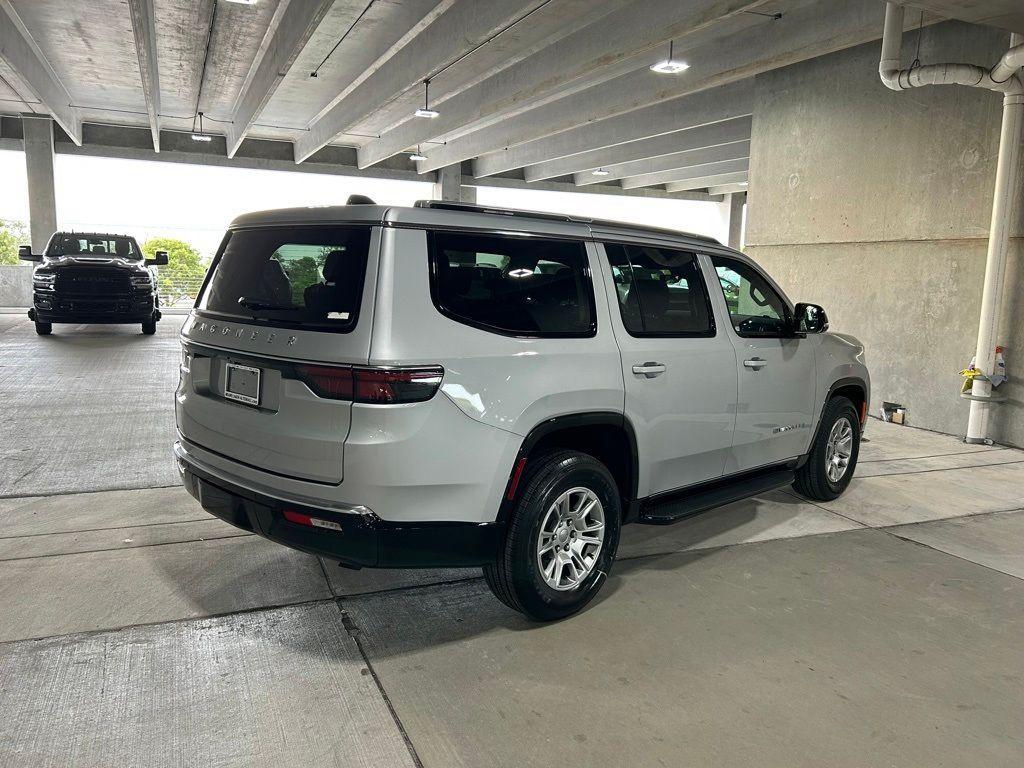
(361,539)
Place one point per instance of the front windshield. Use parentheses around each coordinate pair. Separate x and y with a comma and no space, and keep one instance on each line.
(95,245)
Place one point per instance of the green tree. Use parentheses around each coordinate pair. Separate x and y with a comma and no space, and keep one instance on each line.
(12,234)
(184,272)
(302,272)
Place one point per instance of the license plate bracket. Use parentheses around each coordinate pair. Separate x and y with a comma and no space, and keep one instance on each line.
(242,384)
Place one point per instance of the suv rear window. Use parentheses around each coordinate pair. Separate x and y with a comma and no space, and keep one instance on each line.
(308,276)
(518,286)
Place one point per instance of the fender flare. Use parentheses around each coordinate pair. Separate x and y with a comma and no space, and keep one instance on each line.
(846,381)
(570,421)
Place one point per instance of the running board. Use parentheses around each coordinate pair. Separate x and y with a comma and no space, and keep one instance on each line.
(688,503)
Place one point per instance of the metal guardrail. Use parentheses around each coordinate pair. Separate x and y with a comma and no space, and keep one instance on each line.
(178,292)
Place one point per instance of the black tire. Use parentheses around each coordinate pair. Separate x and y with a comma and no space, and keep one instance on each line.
(516,577)
(812,480)
(44,329)
(149,327)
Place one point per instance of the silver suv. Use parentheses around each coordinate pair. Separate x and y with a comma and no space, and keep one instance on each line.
(451,385)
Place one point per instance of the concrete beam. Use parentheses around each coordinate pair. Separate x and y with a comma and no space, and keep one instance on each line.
(729,189)
(293,23)
(134,143)
(598,189)
(680,124)
(739,150)
(626,159)
(706,182)
(449,29)
(144,27)
(742,165)
(130,143)
(21,53)
(611,46)
(42,199)
(805,32)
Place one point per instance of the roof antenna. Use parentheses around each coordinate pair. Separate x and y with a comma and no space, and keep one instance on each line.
(359,200)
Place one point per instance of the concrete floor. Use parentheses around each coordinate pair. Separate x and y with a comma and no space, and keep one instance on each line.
(881,629)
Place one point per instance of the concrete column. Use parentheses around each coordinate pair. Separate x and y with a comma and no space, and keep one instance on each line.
(736,201)
(448,183)
(42,200)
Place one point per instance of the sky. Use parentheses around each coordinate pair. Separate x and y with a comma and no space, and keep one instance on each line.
(196,203)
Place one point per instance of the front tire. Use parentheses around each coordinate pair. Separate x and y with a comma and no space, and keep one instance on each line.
(563,534)
(44,329)
(149,327)
(833,457)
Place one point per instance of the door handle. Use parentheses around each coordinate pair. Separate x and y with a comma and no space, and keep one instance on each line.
(755,363)
(650,370)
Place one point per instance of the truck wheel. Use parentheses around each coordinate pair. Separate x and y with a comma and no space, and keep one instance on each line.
(563,533)
(833,458)
(149,327)
(44,329)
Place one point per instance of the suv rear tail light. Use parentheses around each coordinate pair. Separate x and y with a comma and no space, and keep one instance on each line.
(372,385)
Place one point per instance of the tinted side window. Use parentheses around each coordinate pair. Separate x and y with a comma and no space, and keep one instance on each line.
(520,286)
(660,290)
(754,306)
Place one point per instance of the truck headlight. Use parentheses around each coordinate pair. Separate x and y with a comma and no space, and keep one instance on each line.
(141,281)
(43,281)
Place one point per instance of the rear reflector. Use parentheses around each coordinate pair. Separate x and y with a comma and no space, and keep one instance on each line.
(300,519)
(372,385)
(517,473)
(864,412)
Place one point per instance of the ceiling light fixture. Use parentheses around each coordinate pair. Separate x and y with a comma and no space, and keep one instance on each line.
(670,66)
(417,155)
(200,135)
(425,110)
(602,172)
(242,2)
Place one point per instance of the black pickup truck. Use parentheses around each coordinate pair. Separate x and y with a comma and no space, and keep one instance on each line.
(93,278)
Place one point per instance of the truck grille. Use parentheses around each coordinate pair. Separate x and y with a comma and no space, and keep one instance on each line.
(93,281)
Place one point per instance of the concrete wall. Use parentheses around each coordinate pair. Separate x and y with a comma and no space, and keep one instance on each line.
(15,285)
(877,204)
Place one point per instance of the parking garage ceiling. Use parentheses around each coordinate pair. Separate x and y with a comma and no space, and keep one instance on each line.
(539,90)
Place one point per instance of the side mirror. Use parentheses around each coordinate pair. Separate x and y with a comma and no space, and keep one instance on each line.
(25,253)
(159,259)
(810,318)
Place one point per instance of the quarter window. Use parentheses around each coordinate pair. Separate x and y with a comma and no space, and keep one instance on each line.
(519,286)
(755,308)
(660,291)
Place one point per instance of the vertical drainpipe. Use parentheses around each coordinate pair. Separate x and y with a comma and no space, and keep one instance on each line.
(1004,77)
(1007,181)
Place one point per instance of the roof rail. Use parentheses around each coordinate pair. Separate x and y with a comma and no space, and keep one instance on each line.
(474,208)
(448,205)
